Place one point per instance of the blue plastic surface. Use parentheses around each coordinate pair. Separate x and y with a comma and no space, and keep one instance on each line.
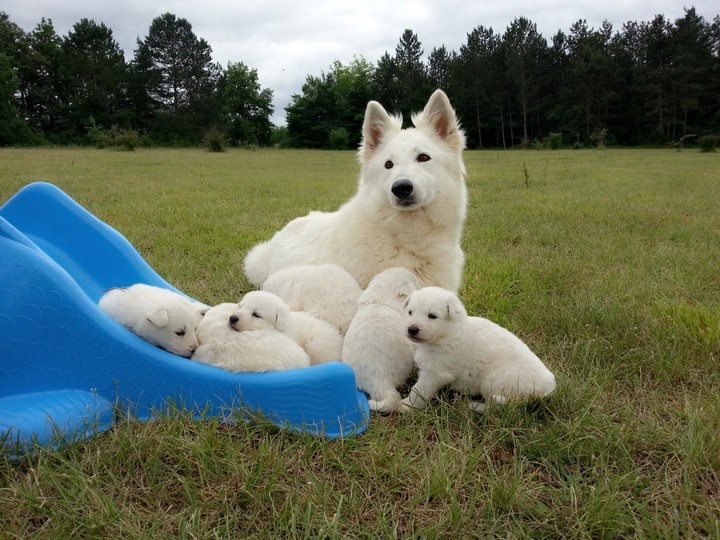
(64,363)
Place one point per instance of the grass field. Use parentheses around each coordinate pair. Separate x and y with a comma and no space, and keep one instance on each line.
(606,262)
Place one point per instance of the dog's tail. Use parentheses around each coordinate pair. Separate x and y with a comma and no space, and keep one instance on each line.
(257,263)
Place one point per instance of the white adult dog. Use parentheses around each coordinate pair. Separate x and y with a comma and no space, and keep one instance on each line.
(408,211)
(376,345)
(260,310)
(325,291)
(469,354)
(224,346)
(160,316)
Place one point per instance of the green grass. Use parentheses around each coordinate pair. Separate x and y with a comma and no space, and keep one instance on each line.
(605,262)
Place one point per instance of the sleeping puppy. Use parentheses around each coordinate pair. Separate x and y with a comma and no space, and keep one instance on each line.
(222,344)
(160,316)
(469,354)
(265,310)
(324,291)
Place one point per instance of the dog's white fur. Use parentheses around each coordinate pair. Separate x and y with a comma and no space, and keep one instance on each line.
(408,210)
(224,346)
(469,354)
(264,310)
(325,291)
(160,316)
(376,345)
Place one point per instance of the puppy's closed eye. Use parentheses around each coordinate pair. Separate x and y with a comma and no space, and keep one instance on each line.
(256,315)
(180,332)
(432,316)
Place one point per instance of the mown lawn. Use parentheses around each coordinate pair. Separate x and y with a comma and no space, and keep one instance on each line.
(605,262)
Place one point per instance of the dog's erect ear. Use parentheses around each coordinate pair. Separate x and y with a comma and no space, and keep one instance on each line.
(439,115)
(159,317)
(376,125)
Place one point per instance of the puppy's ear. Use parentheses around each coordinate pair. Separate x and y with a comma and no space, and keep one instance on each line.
(404,293)
(439,115)
(282,319)
(159,317)
(455,308)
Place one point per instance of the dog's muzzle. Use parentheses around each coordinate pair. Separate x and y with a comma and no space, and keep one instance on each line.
(412,333)
(232,321)
(403,190)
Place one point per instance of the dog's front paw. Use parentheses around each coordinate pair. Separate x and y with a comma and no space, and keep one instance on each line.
(389,405)
(406,405)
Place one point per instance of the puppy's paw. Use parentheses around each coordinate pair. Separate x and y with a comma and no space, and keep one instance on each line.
(406,406)
(478,406)
(388,405)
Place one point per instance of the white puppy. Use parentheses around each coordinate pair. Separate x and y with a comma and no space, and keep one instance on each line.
(265,310)
(223,345)
(325,291)
(376,345)
(160,316)
(469,354)
(408,210)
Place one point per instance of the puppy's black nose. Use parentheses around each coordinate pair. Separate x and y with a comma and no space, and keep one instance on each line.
(413,331)
(402,189)
(233,319)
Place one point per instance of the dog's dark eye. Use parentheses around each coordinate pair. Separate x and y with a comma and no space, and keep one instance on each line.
(422,158)
(180,333)
(432,316)
(256,315)
(409,311)
(389,164)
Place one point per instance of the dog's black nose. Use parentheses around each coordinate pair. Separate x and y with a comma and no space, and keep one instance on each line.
(413,331)
(233,319)
(402,189)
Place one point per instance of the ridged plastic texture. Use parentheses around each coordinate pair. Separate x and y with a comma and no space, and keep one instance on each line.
(63,361)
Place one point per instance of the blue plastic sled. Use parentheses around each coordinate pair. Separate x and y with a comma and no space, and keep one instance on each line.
(65,366)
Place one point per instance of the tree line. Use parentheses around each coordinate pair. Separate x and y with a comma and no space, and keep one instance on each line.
(649,83)
(79,88)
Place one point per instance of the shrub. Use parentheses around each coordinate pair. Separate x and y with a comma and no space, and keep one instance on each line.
(115,137)
(279,137)
(709,143)
(339,138)
(554,141)
(215,140)
(599,137)
(127,139)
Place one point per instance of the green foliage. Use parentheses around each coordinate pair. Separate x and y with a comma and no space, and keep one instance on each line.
(246,106)
(115,137)
(332,101)
(338,139)
(215,140)
(279,137)
(92,79)
(553,141)
(599,137)
(651,82)
(708,143)
(175,81)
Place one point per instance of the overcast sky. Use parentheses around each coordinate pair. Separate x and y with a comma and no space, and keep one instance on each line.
(286,40)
